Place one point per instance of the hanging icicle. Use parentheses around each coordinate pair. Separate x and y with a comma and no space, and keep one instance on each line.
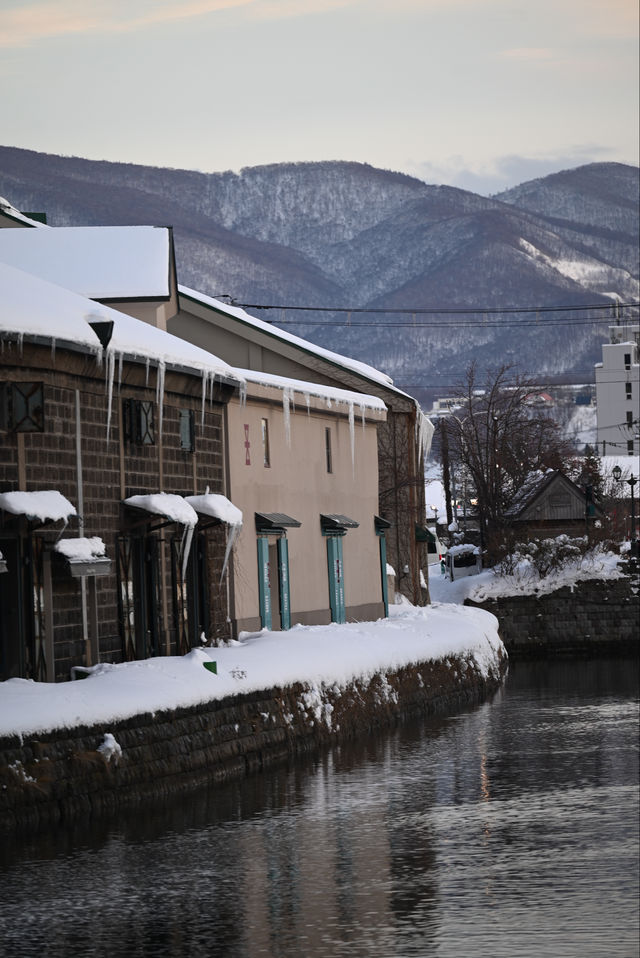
(109,375)
(287,396)
(160,394)
(352,438)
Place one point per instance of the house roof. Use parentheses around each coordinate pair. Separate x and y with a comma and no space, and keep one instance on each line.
(535,485)
(20,219)
(99,262)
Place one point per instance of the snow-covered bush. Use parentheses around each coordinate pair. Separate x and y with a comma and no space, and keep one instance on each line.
(545,557)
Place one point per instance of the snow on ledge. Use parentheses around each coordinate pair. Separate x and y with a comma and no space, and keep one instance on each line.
(165,504)
(216,506)
(81,548)
(48,505)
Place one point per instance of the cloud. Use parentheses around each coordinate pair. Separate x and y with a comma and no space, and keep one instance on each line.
(23,24)
(503,172)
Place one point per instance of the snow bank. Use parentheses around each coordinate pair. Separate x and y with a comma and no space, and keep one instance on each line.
(47,505)
(329,655)
(80,548)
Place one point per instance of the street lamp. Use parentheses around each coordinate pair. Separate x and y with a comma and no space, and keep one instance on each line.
(617,475)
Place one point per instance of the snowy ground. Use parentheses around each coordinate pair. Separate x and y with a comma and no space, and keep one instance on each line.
(318,655)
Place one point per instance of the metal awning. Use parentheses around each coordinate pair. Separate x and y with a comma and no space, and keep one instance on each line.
(423,534)
(381,524)
(337,523)
(216,507)
(46,506)
(164,505)
(275,522)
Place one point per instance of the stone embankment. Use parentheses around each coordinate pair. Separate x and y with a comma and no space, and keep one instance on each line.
(67,774)
(588,618)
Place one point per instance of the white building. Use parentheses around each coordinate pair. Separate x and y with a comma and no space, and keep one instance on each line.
(618,392)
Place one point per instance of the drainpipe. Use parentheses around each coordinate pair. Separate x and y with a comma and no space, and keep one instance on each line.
(80,496)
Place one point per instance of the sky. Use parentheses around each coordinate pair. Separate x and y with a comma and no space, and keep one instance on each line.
(481,94)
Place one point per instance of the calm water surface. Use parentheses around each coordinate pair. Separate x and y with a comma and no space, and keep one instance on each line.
(509,830)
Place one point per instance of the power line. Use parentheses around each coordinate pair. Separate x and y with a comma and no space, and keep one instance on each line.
(487,315)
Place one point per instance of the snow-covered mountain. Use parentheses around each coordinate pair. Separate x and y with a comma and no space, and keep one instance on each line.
(348,235)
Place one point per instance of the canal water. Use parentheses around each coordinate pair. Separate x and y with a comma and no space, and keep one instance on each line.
(510,829)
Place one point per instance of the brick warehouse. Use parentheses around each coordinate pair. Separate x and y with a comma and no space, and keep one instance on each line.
(96,423)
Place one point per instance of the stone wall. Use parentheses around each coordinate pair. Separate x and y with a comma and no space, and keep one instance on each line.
(593,617)
(59,776)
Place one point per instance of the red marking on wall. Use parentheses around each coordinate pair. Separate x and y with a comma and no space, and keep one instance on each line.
(247,445)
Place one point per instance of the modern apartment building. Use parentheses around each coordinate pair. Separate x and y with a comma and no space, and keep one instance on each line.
(618,392)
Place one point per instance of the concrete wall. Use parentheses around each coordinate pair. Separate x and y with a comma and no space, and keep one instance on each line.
(296,482)
(60,776)
(589,618)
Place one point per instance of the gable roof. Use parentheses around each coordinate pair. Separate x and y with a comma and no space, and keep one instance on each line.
(9,212)
(535,486)
(99,262)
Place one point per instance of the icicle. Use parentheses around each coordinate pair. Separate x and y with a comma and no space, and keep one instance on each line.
(187,536)
(120,365)
(53,351)
(232,535)
(160,394)
(424,433)
(308,398)
(146,381)
(362,413)
(205,378)
(109,374)
(352,437)
(286,411)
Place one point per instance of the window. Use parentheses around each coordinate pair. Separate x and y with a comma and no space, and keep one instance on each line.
(629,447)
(627,389)
(22,407)
(187,430)
(629,417)
(327,447)
(266,456)
(137,416)
(627,360)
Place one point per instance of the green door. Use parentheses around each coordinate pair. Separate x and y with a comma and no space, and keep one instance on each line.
(264,582)
(336,579)
(383,572)
(283,581)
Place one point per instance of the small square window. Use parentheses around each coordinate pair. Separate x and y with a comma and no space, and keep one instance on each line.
(138,422)
(629,447)
(22,407)
(266,455)
(187,430)
(627,389)
(327,447)
(629,417)
(627,360)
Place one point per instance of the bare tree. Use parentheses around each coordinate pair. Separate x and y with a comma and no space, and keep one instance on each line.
(499,436)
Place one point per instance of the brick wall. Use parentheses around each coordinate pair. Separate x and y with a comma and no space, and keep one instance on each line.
(111,470)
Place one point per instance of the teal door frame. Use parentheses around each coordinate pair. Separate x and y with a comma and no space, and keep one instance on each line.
(265,586)
(383,572)
(335,565)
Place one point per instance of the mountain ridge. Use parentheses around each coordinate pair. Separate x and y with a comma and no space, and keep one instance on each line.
(347,235)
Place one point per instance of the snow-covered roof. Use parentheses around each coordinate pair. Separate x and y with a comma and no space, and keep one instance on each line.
(172,507)
(47,505)
(9,210)
(329,393)
(216,506)
(100,262)
(30,306)
(353,365)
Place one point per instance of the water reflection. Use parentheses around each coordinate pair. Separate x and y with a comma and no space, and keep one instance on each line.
(510,829)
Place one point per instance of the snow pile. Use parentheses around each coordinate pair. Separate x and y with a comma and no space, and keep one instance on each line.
(320,656)
(527,581)
(110,749)
(216,506)
(81,549)
(47,506)
(165,504)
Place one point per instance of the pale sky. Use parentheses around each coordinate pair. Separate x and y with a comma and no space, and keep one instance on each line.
(481,94)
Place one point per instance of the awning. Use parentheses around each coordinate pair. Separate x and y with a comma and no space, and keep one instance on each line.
(46,506)
(171,507)
(424,535)
(216,507)
(380,524)
(337,523)
(84,556)
(275,522)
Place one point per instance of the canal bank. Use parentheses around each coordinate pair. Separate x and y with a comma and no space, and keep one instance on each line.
(591,617)
(438,660)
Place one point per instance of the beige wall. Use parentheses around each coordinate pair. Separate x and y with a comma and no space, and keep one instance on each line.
(297,483)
